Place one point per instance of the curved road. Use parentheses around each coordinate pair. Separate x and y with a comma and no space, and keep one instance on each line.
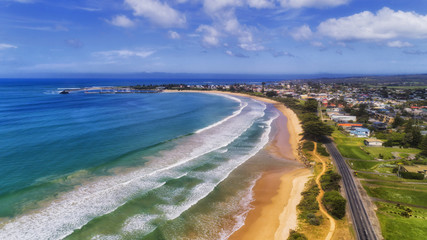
(361,222)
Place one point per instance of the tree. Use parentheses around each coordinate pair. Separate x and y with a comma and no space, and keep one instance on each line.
(271,94)
(311,105)
(309,117)
(316,129)
(423,146)
(398,121)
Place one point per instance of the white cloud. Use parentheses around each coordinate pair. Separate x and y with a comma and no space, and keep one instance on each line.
(123,54)
(239,55)
(210,35)
(384,25)
(121,21)
(312,3)
(6,46)
(212,6)
(157,12)
(302,33)
(173,35)
(260,3)
(399,44)
(317,44)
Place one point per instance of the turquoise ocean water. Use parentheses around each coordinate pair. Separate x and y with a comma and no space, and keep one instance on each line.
(126,166)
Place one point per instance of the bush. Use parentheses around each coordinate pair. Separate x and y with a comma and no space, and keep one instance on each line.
(322,151)
(294,235)
(330,181)
(412,175)
(313,219)
(308,145)
(308,204)
(334,203)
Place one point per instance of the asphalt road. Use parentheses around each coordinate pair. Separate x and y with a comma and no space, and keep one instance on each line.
(361,222)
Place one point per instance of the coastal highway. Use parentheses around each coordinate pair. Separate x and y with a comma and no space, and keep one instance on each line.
(361,222)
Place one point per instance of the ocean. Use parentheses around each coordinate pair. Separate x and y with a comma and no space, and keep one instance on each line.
(126,166)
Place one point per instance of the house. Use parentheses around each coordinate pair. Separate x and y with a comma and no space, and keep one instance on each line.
(379,126)
(373,142)
(343,118)
(360,132)
(350,125)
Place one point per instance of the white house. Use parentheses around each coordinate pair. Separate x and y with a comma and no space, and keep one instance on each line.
(372,142)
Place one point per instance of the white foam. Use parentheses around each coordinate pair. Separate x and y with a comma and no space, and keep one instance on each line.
(74,209)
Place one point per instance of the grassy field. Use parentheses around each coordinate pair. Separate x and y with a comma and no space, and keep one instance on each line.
(397,185)
(386,152)
(416,197)
(392,178)
(396,227)
(349,146)
(363,165)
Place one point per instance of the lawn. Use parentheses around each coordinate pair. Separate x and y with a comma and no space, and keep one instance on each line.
(416,197)
(396,227)
(392,178)
(398,185)
(363,165)
(387,151)
(349,147)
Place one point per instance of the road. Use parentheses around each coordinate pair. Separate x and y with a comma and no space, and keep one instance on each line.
(361,222)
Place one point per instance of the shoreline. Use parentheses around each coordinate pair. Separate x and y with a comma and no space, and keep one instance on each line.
(278,192)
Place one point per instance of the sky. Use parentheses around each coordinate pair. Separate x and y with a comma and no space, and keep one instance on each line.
(213,36)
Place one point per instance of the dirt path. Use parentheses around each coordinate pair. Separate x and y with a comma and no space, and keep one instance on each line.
(321,193)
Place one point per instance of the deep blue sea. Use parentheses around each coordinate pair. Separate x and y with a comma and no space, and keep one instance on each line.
(125,166)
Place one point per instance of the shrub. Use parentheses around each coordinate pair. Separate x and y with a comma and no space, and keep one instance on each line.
(334,203)
(308,145)
(322,151)
(294,235)
(412,175)
(330,181)
(308,204)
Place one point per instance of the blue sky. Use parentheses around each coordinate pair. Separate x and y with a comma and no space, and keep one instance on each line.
(213,36)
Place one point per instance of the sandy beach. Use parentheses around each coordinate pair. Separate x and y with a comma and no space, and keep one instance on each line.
(277,192)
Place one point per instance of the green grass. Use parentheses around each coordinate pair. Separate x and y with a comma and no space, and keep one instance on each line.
(353,152)
(387,152)
(363,165)
(398,195)
(349,146)
(387,178)
(398,185)
(396,227)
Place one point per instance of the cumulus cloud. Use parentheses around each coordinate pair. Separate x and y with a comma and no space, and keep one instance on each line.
(302,33)
(384,25)
(399,44)
(124,54)
(173,35)
(312,3)
(260,3)
(157,12)
(121,21)
(6,46)
(210,35)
